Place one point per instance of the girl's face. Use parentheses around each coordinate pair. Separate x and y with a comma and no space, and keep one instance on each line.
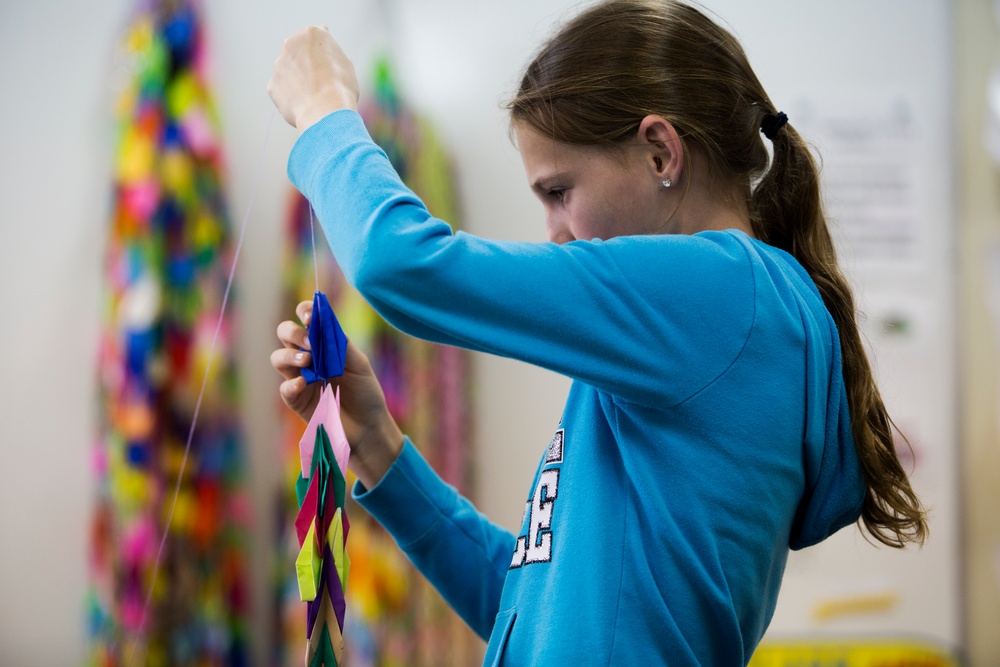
(591,192)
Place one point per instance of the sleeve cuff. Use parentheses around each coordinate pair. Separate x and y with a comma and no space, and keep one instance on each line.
(319,141)
(410,500)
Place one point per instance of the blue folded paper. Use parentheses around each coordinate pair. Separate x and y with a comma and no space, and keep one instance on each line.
(329,344)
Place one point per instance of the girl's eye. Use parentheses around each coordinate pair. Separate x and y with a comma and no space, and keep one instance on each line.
(557,193)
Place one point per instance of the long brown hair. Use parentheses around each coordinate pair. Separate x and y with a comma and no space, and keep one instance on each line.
(623,60)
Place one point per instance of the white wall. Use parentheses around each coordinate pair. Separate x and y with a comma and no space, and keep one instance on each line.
(457,61)
(54,63)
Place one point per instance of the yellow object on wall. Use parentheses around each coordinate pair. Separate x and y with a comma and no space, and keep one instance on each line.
(844,653)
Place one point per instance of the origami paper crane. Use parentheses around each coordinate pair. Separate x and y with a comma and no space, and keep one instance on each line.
(328,342)
(322,565)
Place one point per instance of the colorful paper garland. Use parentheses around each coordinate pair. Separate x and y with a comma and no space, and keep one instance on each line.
(322,565)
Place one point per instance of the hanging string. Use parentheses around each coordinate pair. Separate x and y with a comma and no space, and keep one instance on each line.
(312,230)
(204,384)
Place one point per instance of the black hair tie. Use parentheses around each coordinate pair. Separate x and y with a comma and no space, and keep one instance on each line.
(771,124)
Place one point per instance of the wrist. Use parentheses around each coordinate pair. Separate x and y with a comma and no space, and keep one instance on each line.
(318,108)
(376,451)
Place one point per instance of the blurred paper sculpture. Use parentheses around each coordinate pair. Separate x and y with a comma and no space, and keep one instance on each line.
(168,252)
(321,525)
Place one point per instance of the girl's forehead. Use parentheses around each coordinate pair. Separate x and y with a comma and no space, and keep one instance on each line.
(543,151)
(534,143)
(549,163)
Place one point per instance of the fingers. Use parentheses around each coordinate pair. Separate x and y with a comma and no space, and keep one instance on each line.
(297,396)
(304,312)
(290,359)
(292,335)
(290,362)
(291,390)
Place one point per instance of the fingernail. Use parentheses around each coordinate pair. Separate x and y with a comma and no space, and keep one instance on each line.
(299,356)
(306,318)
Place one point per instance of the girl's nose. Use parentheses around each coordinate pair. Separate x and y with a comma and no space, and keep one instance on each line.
(558,231)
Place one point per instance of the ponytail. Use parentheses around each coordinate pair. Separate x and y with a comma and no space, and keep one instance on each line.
(786,212)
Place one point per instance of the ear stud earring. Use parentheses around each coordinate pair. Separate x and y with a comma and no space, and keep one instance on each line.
(667,182)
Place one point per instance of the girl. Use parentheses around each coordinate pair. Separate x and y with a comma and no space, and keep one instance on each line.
(722,410)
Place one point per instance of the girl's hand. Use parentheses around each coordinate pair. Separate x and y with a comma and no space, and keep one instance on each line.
(312,78)
(372,433)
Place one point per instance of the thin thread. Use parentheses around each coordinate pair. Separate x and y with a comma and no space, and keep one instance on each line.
(312,230)
(204,383)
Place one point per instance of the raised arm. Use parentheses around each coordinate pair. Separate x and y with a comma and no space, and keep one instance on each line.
(653,318)
(646,318)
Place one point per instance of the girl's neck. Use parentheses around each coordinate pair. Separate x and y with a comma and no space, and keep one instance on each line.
(702,209)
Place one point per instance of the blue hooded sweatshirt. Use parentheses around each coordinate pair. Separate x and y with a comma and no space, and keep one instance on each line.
(706,431)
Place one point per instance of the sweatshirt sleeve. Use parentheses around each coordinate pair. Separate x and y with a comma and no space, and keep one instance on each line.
(652,319)
(456,548)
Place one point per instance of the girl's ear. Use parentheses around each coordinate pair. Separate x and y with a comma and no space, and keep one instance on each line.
(666,154)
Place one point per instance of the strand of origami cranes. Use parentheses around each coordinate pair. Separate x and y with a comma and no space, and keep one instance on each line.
(322,565)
